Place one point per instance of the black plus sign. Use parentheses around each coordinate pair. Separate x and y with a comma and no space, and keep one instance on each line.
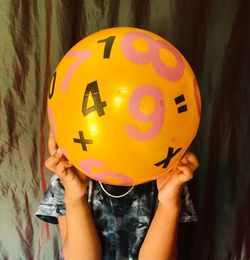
(83,141)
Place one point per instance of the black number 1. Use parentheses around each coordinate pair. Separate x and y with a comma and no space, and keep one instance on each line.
(108,46)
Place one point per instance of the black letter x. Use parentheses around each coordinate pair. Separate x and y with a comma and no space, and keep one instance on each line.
(170,155)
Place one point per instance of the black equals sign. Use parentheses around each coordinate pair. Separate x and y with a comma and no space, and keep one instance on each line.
(179,100)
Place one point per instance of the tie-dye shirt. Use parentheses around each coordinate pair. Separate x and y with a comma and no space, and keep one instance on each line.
(122,222)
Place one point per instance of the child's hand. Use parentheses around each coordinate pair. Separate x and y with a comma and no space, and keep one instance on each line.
(73,181)
(170,184)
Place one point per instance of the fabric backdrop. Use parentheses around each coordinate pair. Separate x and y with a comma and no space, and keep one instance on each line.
(214,36)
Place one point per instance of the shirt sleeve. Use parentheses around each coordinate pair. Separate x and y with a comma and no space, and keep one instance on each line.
(188,213)
(52,204)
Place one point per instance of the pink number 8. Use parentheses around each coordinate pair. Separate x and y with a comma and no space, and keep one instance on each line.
(169,73)
(156,117)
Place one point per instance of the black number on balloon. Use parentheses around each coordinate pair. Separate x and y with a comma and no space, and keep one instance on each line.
(92,88)
(52,86)
(108,46)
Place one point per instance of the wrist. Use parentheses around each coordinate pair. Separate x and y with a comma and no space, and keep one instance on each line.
(75,201)
(170,196)
(174,205)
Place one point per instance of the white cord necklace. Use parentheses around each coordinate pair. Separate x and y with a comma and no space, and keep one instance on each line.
(116,196)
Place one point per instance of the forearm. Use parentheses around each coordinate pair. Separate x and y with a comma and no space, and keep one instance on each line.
(161,239)
(81,241)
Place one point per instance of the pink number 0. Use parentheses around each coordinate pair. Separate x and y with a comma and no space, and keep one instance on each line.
(156,117)
(169,73)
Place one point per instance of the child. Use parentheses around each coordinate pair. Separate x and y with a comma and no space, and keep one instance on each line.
(101,223)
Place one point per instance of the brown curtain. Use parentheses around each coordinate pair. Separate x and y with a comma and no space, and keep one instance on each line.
(214,36)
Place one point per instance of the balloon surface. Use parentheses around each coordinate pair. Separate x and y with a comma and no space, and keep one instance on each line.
(124,106)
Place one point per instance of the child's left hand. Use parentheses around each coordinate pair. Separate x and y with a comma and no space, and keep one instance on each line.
(170,184)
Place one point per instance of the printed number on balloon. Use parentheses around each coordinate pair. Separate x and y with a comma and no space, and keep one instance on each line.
(153,55)
(156,118)
(52,86)
(102,176)
(108,46)
(92,88)
(81,56)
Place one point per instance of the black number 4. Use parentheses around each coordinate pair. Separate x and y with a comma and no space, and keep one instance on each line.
(98,106)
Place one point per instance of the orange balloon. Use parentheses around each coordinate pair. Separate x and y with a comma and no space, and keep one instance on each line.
(124,106)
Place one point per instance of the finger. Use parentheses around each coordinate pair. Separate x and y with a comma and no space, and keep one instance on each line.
(186,173)
(81,175)
(192,161)
(164,178)
(61,169)
(51,163)
(184,160)
(161,179)
(53,160)
(52,145)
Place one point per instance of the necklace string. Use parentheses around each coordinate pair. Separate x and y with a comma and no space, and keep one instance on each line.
(116,196)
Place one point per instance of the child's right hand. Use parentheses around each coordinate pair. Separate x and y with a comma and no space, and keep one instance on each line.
(73,181)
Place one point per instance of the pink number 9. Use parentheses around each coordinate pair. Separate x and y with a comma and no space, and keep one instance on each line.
(154,46)
(156,117)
